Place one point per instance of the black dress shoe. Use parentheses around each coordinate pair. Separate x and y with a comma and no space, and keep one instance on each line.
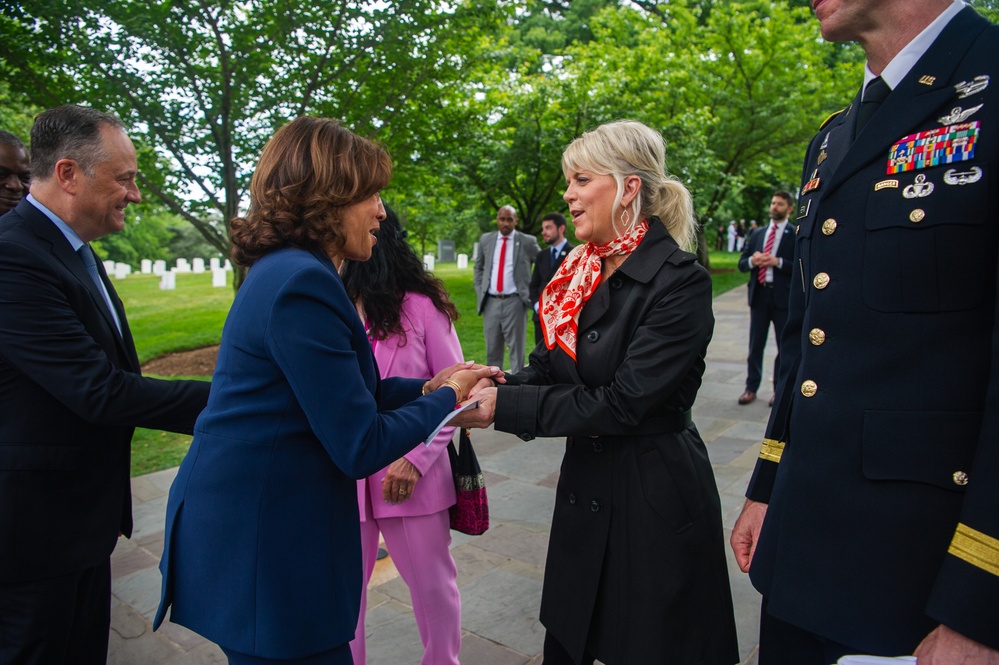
(747,397)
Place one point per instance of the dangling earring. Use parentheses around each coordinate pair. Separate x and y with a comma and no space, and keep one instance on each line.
(625,218)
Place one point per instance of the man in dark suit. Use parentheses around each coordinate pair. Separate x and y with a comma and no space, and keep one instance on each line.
(70,394)
(767,257)
(872,519)
(547,262)
(502,276)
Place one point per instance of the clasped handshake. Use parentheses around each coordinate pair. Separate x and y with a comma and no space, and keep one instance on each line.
(470,382)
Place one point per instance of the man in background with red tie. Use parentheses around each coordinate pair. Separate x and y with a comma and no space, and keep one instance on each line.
(502,276)
(767,257)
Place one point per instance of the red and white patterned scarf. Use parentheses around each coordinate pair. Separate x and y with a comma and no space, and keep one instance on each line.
(576,280)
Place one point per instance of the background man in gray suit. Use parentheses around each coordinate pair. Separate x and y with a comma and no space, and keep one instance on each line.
(502,279)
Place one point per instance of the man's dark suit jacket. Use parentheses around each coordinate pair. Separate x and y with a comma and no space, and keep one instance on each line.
(881,458)
(70,396)
(782,275)
(544,268)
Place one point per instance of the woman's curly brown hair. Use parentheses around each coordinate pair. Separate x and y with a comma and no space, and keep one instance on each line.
(309,171)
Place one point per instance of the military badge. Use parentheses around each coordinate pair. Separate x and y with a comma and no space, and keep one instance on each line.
(812,184)
(972,87)
(927,79)
(822,157)
(945,145)
(955,177)
(885,184)
(918,189)
(958,115)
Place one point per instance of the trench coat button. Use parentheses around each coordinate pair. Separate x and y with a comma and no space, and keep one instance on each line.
(817,336)
(593,335)
(572,499)
(525,436)
(598,447)
(594,506)
(616,283)
(960,478)
(917,215)
(829,226)
(809,388)
(821,280)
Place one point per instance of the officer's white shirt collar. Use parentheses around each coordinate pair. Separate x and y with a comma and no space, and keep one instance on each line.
(900,65)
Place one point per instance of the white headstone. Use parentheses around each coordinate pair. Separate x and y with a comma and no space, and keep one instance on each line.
(198,265)
(462,261)
(109,267)
(122,270)
(159,267)
(168,281)
(228,265)
(214,263)
(218,277)
(183,265)
(428,261)
(146,266)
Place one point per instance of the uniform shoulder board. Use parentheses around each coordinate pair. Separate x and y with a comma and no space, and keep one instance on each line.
(831,116)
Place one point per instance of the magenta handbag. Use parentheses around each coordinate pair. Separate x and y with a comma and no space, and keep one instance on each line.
(471,513)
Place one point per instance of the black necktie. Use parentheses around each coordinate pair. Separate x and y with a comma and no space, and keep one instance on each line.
(875,93)
(554,255)
(87,256)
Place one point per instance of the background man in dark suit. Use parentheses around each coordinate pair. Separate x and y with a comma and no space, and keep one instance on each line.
(548,261)
(767,256)
(502,276)
(877,487)
(70,394)
(15,172)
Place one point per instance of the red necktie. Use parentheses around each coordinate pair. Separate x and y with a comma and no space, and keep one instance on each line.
(502,266)
(768,248)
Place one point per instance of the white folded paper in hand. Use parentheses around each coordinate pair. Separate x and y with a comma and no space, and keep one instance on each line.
(875,660)
(443,423)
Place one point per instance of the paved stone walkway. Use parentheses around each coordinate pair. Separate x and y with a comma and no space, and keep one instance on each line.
(500,572)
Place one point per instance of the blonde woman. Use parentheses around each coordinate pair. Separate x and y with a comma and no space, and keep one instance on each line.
(636,568)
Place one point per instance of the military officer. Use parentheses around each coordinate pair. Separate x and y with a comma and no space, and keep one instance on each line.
(872,519)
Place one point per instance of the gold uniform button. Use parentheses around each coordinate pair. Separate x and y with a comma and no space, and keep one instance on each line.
(821,280)
(809,388)
(817,336)
(829,226)
(960,478)
(917,215)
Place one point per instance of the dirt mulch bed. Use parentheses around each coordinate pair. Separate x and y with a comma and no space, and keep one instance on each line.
(198,362)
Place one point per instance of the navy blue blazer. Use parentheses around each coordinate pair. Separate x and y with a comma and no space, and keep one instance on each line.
(262,551)
(881,459)
(70,395)
(782,275)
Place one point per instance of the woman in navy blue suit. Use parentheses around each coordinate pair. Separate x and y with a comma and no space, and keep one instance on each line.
(262,552)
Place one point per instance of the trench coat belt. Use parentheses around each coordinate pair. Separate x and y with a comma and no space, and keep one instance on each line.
(668,424)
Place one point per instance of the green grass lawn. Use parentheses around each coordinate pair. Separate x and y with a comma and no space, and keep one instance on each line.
(192,316)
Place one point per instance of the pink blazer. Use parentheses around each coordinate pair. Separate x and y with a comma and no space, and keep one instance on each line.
(431,345)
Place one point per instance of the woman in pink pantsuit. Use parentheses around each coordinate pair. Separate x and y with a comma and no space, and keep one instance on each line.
(409,320)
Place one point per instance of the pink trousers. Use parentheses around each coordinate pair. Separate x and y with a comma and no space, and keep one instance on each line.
(419,548)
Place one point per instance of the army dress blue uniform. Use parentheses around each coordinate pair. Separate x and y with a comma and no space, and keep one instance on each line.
(881,459)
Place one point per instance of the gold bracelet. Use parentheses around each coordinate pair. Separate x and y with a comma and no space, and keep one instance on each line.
(457,389)
(425,390)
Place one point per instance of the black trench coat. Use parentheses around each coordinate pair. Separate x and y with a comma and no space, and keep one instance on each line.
(636,568)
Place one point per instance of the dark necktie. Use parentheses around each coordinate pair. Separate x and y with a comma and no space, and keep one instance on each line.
(87,256)
(875,93)
(554,256)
